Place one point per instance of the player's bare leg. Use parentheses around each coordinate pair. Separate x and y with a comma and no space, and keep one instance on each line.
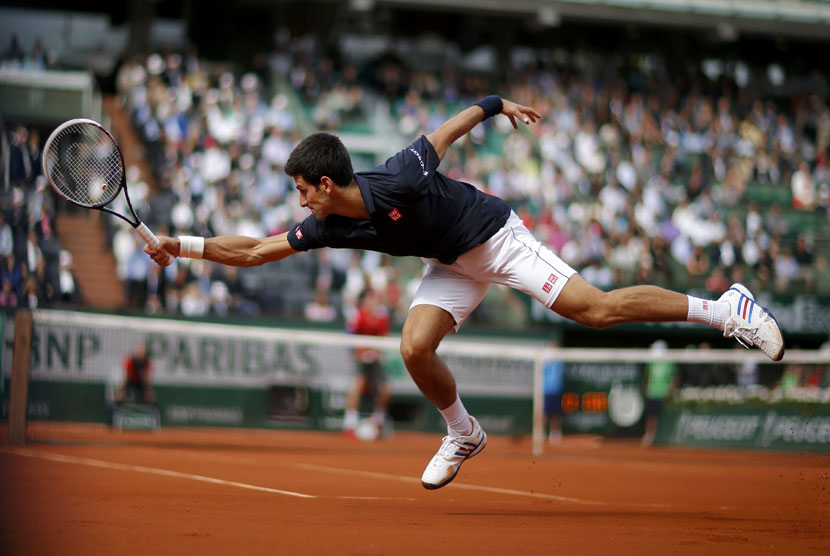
(425,327)
(590,306)
(735,312)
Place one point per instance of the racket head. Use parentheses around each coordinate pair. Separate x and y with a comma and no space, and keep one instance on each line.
(83,163)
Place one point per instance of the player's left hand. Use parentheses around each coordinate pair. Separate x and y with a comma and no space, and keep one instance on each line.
(525,113)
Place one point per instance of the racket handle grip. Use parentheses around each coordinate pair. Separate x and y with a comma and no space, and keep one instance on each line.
(150,239)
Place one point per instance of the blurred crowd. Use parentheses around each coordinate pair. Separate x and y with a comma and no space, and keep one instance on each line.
(642,176)
(748,373)
(687,177)
(35,58)
(635,174)
(34,270)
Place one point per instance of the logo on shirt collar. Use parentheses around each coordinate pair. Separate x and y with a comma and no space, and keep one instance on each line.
(298,232)
(394,214)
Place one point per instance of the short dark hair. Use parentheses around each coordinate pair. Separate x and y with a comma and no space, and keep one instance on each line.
(318,155)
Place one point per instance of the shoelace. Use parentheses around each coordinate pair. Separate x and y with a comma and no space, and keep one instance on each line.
(744,334)
(449,446)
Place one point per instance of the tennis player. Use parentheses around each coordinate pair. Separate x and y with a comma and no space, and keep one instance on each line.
(469,240)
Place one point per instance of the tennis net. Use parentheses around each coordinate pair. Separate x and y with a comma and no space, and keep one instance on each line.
(221,375)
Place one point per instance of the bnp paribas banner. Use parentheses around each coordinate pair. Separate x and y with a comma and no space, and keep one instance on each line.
(782,427)
(84,347)
(231,375)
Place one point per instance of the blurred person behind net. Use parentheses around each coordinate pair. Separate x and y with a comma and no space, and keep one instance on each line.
(371,318)
(138,384)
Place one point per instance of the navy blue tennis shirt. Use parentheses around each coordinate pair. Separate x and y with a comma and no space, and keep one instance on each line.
(413,210)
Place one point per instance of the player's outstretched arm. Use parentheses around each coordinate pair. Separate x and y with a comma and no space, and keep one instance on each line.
(227,250)
(460,124)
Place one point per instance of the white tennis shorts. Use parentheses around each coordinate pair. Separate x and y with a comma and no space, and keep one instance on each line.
(512,257)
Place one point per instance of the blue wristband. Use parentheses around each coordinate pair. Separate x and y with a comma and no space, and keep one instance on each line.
(491,105)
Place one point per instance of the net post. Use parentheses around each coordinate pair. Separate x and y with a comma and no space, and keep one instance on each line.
(19,390)
(538,434)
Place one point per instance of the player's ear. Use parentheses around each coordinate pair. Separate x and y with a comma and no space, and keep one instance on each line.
(326,184)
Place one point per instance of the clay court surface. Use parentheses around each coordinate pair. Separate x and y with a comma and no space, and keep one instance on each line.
(226,492)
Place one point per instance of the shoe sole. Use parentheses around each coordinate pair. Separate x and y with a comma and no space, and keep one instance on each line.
(477,451)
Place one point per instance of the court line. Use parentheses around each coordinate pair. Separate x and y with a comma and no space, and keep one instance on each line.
(50,456)
(495,490)
(407,499)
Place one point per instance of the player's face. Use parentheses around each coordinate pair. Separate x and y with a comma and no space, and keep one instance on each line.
(315,199)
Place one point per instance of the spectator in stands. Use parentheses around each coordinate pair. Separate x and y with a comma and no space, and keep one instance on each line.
(32,297)
(7,296)
(21,166)
(69,291)
(45,284)
(33,252)
(805,259)
(13,272)
(136,272)
(717,281)
(785,266)
(6,237)
(194,301)
(698,267)
(36,59)
(804,189)
(14,53)
(320,309)
(33,152)
(371,319)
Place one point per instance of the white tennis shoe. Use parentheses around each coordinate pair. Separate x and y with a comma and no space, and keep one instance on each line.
(750,324)
(454,450)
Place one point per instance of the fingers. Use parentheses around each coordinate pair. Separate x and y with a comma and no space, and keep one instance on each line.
(526,114)
(159,256)
(529,114)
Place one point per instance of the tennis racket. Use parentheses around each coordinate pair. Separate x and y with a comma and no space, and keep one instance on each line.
(84,165)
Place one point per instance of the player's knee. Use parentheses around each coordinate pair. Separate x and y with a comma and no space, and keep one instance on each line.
(415,353)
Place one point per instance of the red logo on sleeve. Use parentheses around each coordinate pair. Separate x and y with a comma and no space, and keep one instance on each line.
(298,232)
(395,215)
(549,284)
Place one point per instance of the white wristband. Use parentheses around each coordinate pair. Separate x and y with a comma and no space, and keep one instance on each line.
(191,247)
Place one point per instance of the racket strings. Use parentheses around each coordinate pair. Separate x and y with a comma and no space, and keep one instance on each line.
(85,165)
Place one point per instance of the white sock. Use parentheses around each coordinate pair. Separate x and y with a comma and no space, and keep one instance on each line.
(350,420)
(458,420)
(708,312)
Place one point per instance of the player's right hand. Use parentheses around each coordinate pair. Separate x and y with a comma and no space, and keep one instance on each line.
(166,252)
